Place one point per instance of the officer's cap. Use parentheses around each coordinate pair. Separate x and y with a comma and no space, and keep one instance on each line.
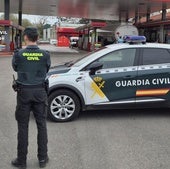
(30,31)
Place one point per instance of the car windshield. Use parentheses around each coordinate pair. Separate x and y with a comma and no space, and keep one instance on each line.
(85,58)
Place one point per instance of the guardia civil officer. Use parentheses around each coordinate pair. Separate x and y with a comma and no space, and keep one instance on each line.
(31,65)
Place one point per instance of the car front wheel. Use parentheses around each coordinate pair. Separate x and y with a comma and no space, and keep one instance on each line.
(64,106)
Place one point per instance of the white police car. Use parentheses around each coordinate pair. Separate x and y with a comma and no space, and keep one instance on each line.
(117,76)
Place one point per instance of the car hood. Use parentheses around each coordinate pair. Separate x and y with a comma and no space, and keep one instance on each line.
(58,70)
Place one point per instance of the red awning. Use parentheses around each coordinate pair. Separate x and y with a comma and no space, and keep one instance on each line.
(5,22)
(66,30)
(10,23)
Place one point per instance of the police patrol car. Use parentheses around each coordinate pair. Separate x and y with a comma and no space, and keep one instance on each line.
(128,75)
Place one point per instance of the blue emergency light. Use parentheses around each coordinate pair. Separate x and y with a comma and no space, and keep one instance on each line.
(135,39)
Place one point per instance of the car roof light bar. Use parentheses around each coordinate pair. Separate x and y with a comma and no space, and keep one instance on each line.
(134,39)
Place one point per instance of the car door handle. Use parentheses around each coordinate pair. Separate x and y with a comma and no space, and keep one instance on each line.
(80,79)
(129,77)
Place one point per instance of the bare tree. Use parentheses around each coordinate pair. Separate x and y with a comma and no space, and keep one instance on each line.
(40,23)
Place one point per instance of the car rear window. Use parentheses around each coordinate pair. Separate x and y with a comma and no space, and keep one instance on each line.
(155,56)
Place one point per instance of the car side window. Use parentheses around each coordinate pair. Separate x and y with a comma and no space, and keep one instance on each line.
(119,58)
(155,56)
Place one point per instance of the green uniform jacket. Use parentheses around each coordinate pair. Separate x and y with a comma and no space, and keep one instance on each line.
(31,65)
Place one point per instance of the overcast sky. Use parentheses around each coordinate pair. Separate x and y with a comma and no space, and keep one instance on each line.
(35,18)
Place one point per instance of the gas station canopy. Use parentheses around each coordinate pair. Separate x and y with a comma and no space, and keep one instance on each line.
(114,10)
(93,9)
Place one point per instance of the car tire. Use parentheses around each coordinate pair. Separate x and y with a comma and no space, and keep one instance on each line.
(64,105)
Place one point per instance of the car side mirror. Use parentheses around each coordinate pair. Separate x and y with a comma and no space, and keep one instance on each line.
(94,67)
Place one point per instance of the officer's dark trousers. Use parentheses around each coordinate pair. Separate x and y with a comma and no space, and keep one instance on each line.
(35,100)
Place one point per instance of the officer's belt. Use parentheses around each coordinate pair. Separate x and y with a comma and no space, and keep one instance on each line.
(31,86)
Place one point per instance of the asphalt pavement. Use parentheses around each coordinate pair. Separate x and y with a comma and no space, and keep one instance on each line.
(115,139)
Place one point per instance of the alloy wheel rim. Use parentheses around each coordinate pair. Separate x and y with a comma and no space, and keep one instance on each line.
(62,107)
